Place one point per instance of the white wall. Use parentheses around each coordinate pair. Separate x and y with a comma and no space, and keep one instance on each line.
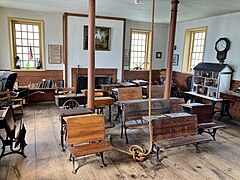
(219,26)
(53,33)
(159,41)
(103,59)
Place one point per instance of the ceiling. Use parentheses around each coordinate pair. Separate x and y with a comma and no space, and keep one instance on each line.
(188,9)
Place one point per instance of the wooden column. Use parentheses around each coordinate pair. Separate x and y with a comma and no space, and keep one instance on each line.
(167,90)
(91,54)
(65,49)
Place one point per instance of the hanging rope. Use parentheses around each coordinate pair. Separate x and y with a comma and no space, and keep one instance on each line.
(139,153)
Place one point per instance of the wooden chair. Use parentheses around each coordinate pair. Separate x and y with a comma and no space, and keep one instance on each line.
(157,91)
(17,102)
(86,135)
(16,144)
(205,121)
(69,104)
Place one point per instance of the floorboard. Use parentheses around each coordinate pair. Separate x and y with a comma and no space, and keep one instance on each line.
(218,159)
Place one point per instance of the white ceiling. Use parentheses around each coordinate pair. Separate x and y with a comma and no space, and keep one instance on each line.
(188,9)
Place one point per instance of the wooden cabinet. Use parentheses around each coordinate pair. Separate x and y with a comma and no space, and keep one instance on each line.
(210,79)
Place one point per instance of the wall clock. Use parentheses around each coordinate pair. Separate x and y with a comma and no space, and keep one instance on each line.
(222,46)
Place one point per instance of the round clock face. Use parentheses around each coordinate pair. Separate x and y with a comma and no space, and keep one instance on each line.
(221,45)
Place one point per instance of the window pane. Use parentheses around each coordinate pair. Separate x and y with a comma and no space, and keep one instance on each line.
(19,49)
(36,29)
(25,49)
(24,35)
(30,35)
(30,28)
(17,27)
(24,27)
(36,36)
(18,42)
(36,43)
(18,34)
(24,42)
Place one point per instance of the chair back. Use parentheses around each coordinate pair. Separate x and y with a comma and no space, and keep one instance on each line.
(85,128)
(203,112)
(130,93)
(70,104)
(5,96)
(157,91)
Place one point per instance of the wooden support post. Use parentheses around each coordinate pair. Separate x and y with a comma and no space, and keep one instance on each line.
(65,49)
(174,10)
(91,55)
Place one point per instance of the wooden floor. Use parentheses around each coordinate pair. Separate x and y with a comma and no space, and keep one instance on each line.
(217,160)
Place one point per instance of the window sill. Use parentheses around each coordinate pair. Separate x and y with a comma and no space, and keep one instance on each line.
(18,70)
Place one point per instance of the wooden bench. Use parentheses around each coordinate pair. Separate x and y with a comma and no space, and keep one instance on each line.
(86,135)
(16,143)
(205,121)
(134,110)
(174,130)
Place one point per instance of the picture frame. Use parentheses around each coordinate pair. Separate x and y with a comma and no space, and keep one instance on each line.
(175,59)
(102,38)
(54,54)
(159,55)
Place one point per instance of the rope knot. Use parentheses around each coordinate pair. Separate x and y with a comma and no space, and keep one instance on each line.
(138,153)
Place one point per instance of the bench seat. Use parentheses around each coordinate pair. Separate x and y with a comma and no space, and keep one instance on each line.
(180,141)
(210,128)
(88,149)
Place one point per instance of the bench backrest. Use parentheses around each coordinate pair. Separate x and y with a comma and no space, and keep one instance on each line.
(157,91)
(203,112)
(175,104)
(136,110)
(172,127)
(130,93)
(85,128)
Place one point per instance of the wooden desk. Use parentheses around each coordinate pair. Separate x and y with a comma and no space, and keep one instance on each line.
(188,107)
(101,102)
(127,84)
(140,82)
(212,99)
(70,112)
(61,99)
(228,98)
(108,87)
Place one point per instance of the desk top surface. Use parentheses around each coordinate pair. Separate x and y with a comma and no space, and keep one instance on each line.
(75,111)
(190,105)
(204,96)
(68,96)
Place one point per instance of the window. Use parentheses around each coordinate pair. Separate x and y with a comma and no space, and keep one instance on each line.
(26,42)
(139,50)
(193,48)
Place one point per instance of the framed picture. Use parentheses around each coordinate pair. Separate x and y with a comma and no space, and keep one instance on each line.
(159,55)
(102,38)
(175,59)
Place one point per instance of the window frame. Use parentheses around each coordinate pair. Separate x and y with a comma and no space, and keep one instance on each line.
(188,47)
(12,41)
(147,48)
